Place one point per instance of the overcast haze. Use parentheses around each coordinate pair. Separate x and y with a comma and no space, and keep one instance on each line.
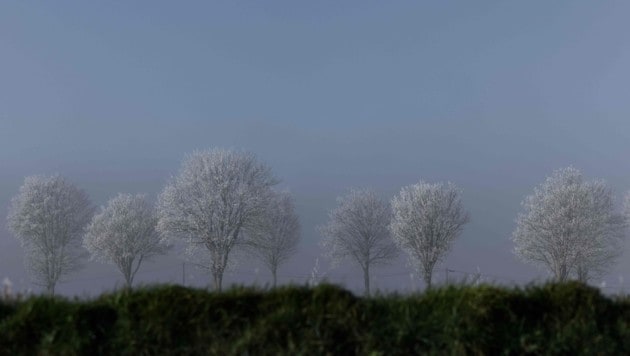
(491,95)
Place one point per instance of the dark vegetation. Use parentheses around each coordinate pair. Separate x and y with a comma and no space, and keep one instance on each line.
(550,319)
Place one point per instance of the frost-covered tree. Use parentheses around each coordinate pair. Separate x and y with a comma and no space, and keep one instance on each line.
(427,219)
(569,227)
(358,229)
(275,236)
(216,194)
(124,233)
(48,217)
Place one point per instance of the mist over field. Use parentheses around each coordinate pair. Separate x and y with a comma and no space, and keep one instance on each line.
(491,96)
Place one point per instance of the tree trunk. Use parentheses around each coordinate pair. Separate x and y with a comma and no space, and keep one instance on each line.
(427,275)
(219,264)
(366,279)
(561,273)
(126,271)
(273,272)
(50,288)
(218,279)
(132,275)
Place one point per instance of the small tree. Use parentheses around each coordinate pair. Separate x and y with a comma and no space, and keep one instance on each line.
(569,227)
(275,236)
(427,219)
(358,228)
(123,233)
(215,196)
(48,217)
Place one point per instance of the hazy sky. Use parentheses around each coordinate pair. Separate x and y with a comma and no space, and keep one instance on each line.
(491,95)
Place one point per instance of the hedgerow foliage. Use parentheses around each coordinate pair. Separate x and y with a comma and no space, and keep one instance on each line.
(552,319)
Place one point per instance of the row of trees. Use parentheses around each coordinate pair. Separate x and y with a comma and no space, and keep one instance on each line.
(222,200)
(423,220)
(219,200)
(569,227)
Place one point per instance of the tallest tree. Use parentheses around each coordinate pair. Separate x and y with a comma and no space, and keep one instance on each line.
(48,217)
(214,198)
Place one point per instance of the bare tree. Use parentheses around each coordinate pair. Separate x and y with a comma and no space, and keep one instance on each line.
(274,237)
(123,233)
(216,194)
(48,217)
(569,226)
(358,228)
(427,219)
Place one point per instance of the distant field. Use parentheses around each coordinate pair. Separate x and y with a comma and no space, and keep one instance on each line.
(549,319)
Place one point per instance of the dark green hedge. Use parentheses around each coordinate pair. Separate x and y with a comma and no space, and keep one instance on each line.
(551,319)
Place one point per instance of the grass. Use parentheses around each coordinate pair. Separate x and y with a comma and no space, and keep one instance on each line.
(295,320)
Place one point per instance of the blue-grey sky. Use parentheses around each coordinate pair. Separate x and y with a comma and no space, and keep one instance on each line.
(491,95)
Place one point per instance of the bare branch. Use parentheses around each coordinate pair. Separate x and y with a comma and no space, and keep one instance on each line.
(274,236)
(123,233)
(569,227)
(427,219)
(48,216)
(216,194)
(358,228)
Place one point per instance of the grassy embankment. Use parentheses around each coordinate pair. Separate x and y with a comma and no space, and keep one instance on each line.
(562,319)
